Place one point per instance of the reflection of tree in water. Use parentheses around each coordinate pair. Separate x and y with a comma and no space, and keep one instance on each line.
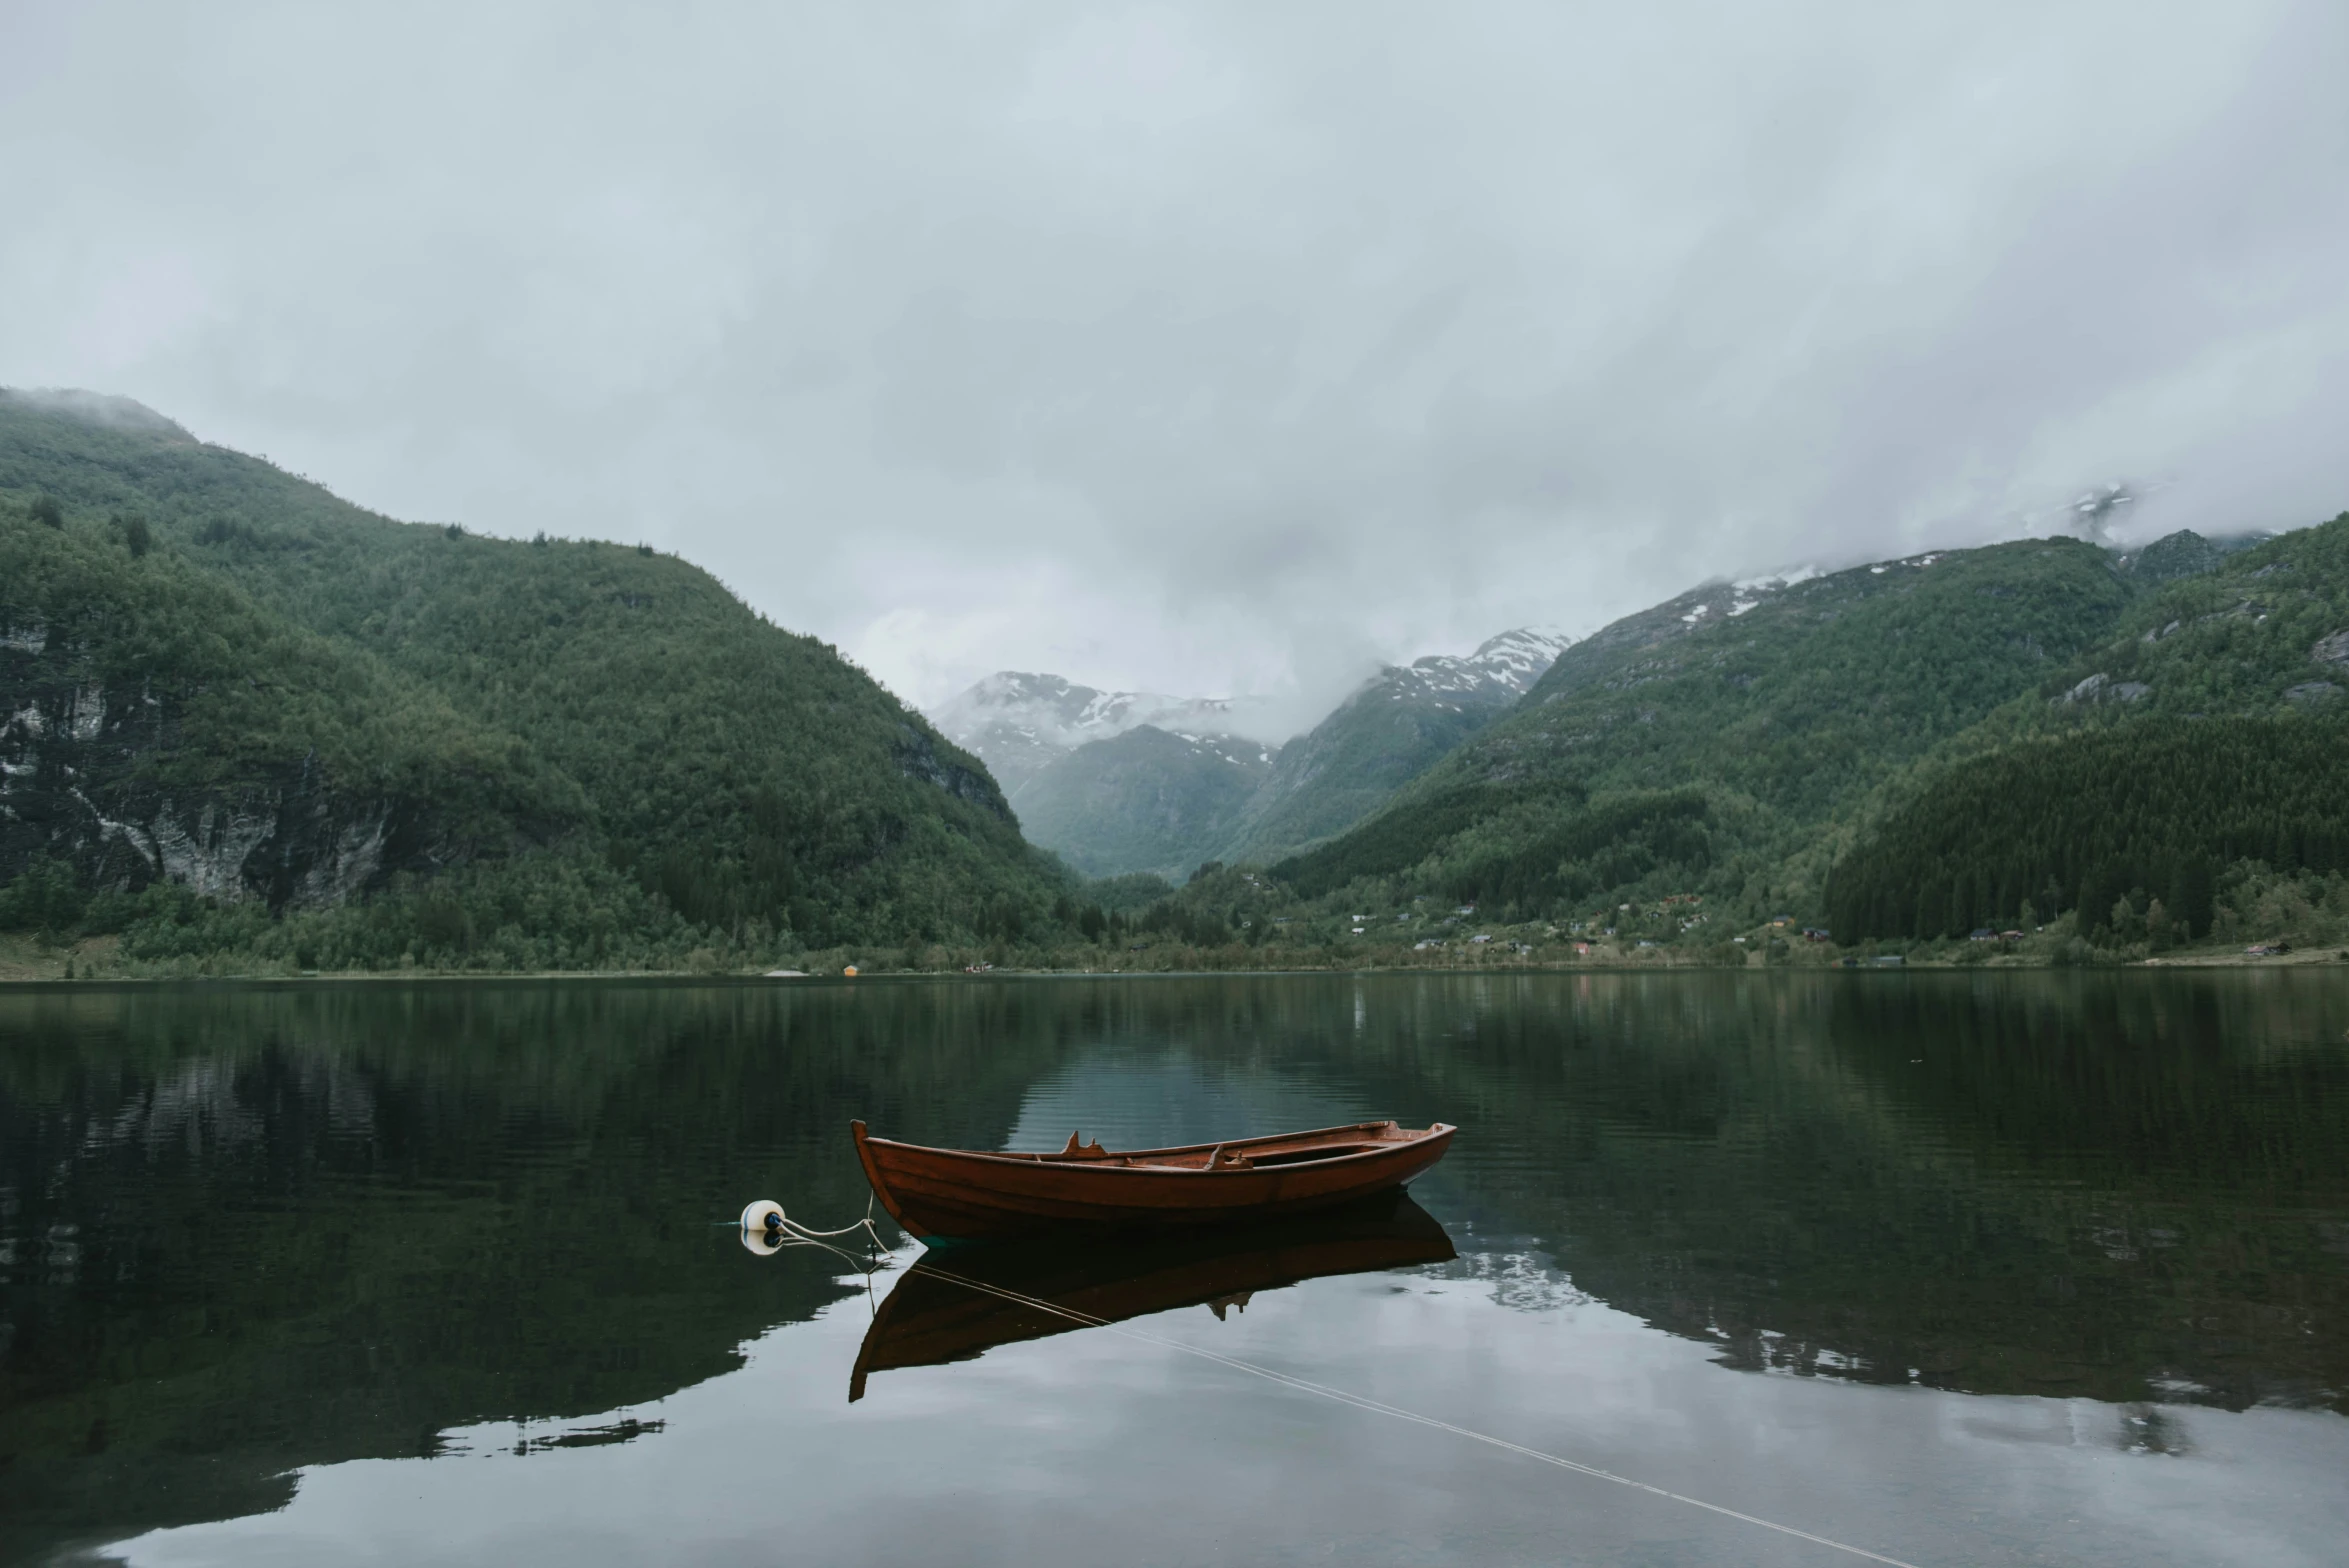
(325,1224)
(2092,1185)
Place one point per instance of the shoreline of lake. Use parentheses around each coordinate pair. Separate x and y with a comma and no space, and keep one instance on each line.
(13,974)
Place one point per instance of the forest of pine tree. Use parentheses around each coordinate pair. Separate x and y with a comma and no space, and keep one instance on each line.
(2107,824)
(250,727)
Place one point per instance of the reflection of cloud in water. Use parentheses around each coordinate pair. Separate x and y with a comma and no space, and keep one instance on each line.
(1523,1277)
(1130,1099)
(1057,1444)
(1523,1281)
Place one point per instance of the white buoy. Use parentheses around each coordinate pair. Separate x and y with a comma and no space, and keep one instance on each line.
(761,1215)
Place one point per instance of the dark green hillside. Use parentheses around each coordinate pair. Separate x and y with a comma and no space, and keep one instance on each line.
(1390,731)
(2209,732)
(744,772)
(2266,632)
(161,725)
(1144,801)
(236,685)
(745,780)
(1347,766)
(1716,735)
(2148,814)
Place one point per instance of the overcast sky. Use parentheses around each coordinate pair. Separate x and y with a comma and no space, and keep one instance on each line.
(1199,348)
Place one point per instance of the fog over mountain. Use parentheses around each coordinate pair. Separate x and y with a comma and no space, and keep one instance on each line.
(1019,723)
(1119,782)
(1232,349)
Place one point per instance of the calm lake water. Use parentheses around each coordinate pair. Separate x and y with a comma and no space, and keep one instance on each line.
(2024,1268)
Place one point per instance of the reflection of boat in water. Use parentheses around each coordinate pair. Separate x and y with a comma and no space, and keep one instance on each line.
(932,1317)
(968,1194)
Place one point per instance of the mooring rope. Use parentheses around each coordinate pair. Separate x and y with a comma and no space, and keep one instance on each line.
(791,1233)
(783,1231)
(799,1232)
(1379,1407)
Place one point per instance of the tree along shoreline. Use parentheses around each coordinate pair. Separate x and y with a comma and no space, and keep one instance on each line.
(83,966)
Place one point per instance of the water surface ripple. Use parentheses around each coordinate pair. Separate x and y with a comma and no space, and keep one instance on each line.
(1993,1268)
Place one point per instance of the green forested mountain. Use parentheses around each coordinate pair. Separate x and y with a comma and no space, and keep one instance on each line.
(1087,784)
(1912,751)
(245,725)
(2126,826)
(1148,800)
(2207,733)
(1398,725)
(1704,745)
(365,742)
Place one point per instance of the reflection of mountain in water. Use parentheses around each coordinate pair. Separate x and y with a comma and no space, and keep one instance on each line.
(1134,1098)
(2116,1186)
(2007,1183)
(258,1230)
(247,1231)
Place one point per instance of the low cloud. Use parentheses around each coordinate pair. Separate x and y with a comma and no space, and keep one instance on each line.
(1208,349)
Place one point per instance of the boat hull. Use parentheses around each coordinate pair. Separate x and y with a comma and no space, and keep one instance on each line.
(956,1194)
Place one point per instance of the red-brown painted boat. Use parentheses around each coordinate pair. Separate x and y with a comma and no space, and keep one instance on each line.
(963,1194)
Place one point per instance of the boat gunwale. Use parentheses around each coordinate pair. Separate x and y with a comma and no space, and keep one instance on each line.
(1105,1161)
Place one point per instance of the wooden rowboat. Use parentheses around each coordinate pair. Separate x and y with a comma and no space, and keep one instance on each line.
(956,1305)
(963,1194)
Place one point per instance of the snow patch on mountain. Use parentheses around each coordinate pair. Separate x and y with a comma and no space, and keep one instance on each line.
(1018,722)
(1058,712)
(1503,668)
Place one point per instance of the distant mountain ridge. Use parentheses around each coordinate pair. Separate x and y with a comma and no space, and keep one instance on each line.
(1505,667)
(1393,728)
(1118,782)
(1146,800)
(1019,723)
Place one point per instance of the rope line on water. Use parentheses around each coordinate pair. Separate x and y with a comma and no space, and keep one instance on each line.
(1378,1407)
(790,1232)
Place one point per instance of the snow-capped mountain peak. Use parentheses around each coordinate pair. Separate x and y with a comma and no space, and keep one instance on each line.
(1061,713)
(1502,667)
(1019,722)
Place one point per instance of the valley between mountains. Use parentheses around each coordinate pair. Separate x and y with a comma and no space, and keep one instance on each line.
(247,727)
(1127,782)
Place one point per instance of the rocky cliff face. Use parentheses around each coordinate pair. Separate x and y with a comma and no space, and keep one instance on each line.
(80,781)
(920,757)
